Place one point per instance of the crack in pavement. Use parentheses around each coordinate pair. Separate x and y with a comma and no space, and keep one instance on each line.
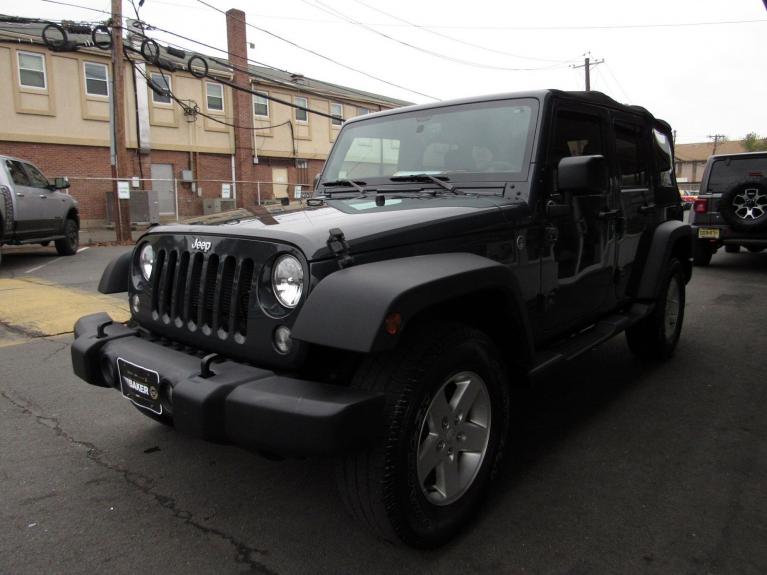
(245,554)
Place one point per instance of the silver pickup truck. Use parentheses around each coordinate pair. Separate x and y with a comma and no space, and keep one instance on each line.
(34,210)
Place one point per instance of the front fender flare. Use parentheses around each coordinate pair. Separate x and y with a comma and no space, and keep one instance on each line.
(665,237)
(346,310)
(116,276)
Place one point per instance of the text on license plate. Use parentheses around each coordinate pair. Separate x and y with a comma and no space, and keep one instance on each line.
(708,233)
(140,385)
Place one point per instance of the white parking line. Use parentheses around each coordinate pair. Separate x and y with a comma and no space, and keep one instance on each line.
(34,269)
(83,249)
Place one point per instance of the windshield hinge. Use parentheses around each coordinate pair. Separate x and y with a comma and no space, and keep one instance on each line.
(340,247)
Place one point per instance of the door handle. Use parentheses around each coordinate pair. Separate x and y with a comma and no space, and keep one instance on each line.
(19,195)
(609,214)
(646,209)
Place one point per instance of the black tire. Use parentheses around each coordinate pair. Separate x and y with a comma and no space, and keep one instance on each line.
(67,246)
(381,487)
(755,249)
(163,418)
(657,335)
(744,206)
(732,249)
(45,244)
(702,252)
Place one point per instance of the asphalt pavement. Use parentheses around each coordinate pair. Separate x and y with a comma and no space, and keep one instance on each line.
(617,467)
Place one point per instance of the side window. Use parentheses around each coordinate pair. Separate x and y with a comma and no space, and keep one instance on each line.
(632,156)
(36,179)
(576,135)
(664,159)
(17,173)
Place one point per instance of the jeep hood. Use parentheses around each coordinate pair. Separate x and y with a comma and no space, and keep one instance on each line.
(402,221)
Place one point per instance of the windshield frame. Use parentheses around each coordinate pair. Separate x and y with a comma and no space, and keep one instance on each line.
(454,177)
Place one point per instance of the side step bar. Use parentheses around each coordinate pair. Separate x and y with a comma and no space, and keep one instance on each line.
(588,338)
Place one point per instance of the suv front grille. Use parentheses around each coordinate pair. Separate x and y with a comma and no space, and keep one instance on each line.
(203,292)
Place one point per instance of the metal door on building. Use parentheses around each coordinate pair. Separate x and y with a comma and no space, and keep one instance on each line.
(280,182)
(163,184)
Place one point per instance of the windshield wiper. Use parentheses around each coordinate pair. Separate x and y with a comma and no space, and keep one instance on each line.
(346,182)
(440,181)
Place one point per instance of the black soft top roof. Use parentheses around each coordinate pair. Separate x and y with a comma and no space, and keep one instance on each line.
(592,97)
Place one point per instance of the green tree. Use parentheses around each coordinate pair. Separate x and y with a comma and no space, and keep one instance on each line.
(752,142)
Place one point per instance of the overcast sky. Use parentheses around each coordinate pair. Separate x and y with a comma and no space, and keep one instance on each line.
(666,55)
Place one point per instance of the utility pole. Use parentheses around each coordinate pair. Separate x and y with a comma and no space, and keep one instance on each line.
(716,139)
(587,65)
(119,153)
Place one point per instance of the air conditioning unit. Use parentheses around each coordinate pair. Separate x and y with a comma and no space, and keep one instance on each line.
(217,205)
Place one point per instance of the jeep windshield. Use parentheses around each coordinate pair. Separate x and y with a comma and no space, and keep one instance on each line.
(478,142)
(729,172)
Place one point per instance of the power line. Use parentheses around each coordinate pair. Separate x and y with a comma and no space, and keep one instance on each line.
(310,51)
(452,38)
(474,64)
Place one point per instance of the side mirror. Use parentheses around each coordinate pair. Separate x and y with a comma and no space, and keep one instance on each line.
(60,183)
(583,175)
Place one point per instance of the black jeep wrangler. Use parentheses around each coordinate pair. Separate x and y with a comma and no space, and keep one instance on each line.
(450,252)
(731,208)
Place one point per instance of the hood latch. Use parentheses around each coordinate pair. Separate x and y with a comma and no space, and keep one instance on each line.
(340,247)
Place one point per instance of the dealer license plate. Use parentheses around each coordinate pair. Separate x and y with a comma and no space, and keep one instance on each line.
(709,233)
(140,385)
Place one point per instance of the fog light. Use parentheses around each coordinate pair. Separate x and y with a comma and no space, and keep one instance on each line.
(135,304)
(282,340)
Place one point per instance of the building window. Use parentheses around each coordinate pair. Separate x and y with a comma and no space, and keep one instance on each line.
(337,111)
(361,111)
(215,96)
(32,70)
(96,79)
(301,115)
(260,104)
(161,88)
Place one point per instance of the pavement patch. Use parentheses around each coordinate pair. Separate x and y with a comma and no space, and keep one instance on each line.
(31,307)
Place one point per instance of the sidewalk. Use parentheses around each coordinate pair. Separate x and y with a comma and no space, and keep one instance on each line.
(103,235)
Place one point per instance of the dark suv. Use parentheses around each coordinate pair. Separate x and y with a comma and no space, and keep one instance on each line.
(451,252)
(731,209)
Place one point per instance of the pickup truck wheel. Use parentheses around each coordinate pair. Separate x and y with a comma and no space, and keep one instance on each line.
(68,245)
(657,335)
(447,420)
(701,252)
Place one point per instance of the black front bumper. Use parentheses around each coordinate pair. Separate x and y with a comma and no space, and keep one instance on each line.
(245,405)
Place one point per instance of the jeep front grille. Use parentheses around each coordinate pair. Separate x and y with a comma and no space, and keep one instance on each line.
(205,292)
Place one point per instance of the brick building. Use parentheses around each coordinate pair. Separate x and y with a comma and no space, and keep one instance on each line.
(57,115)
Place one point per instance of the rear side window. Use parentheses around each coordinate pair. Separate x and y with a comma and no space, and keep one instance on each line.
(17,173)
(664,159)
(728,172)
(632,157)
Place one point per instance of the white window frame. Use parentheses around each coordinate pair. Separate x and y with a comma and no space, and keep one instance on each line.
(44,70)
(169,79)
(85,77)
(207,97)
(363,111)
(337,122)
(263,95)
(296,110)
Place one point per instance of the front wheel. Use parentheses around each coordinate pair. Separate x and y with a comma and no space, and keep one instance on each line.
(68,245)
(445,430)
(657,335)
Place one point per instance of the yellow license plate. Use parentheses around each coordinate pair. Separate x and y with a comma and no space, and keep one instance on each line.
(708,233)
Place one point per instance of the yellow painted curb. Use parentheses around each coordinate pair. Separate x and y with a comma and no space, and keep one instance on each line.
(40,308)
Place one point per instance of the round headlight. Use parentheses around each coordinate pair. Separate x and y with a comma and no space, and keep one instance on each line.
(288,280)
(146,261)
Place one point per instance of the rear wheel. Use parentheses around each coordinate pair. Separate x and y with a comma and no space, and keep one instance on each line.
(68,245)
(755,249)
(702,252)
(657,335)
(732,249)
(744,206)
(445,430)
